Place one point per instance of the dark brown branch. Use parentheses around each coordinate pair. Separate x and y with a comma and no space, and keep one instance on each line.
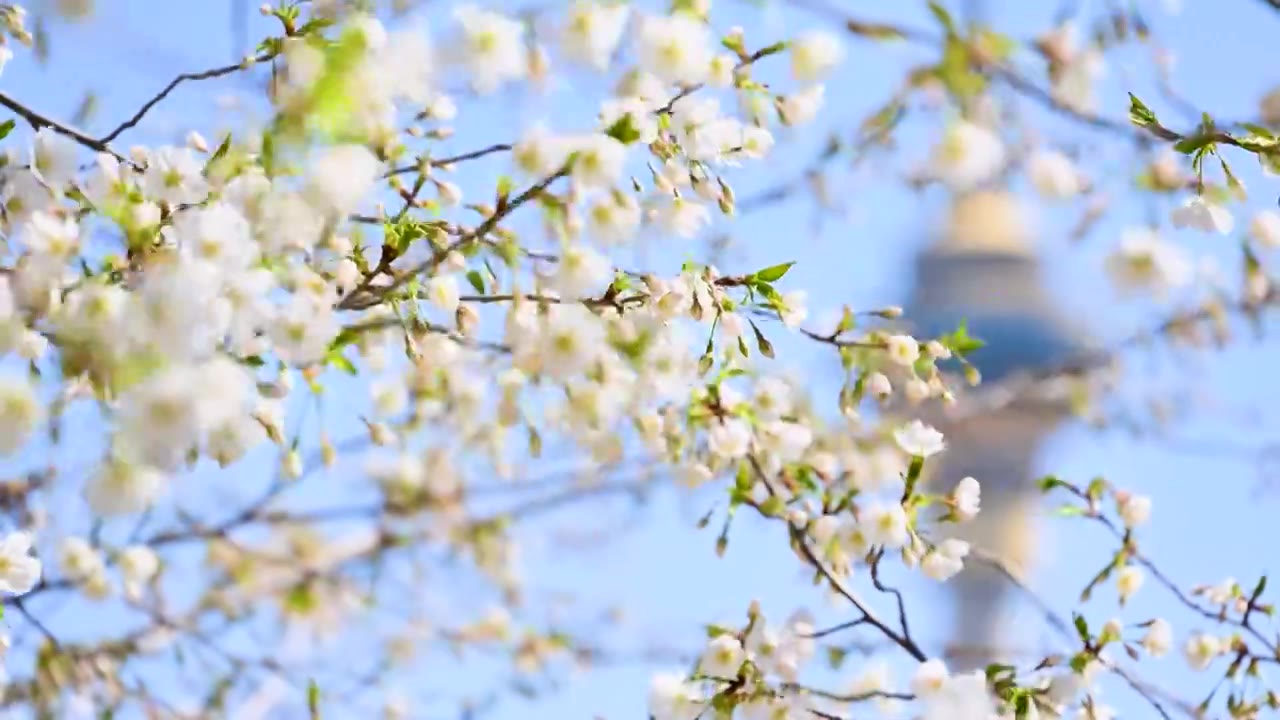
(441,162)
(348,302)
(37,121)
(173,84)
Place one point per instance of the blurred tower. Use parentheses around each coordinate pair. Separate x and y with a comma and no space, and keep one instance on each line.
(982,269)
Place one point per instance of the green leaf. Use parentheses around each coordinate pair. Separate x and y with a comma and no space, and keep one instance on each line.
(773,507)
(300,600)
(315,25)
(1050,482)
(476,279)
(1188,145)
(624,130)
(1258,590)
(313,699)
(6,127)
(715,631)
(943,16)
(774,272)
(960,342)
(913,474)
(1139,113)
(1096,488)
(332,102)
(1069,511)
(222,150)
(268,156)
(1258,131)
(342,362)
(1082,628)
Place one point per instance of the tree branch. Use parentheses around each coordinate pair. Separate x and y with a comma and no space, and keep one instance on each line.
(37,121)
(174,83)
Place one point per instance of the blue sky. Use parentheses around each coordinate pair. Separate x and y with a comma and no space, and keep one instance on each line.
(1210,521)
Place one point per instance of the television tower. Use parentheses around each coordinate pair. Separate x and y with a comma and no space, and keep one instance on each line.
(982,269)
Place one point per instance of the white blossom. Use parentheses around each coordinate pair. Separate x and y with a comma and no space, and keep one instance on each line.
(539,153)
(787,440)
(121,487)
(675,48)
(878,385)
(885,524)
(1158,639)
(80,561)
(903,349)
(968,155)
(929,679)
(593,31)
(1075,86)
(175,175)
(729,439)
(20,412)
(802,107)
(53,157)
(680,217)
(19,572)
(582,272)
(492,47)
(1265,228)
(723,657)
(138,564)
(962,697)
(1054,175)
(614,218)
(1135,510)
(1201,649)
(340,177)
(443,292)
(672,697)
(637,114)
(302,330)
(814,55)
(1145,259)
(1201,214)
(916,438)
(1128,581)
(946,560)
(966,499)
(599,161)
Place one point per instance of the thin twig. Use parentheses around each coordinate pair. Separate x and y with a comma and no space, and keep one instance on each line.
(174,83)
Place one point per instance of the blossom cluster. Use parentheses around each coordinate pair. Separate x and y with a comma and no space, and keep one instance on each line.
(201,304)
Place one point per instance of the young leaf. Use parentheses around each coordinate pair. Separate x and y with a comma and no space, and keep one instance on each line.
(1140,114)
(943,16)
(624,130)
(340,361)
(774,272)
